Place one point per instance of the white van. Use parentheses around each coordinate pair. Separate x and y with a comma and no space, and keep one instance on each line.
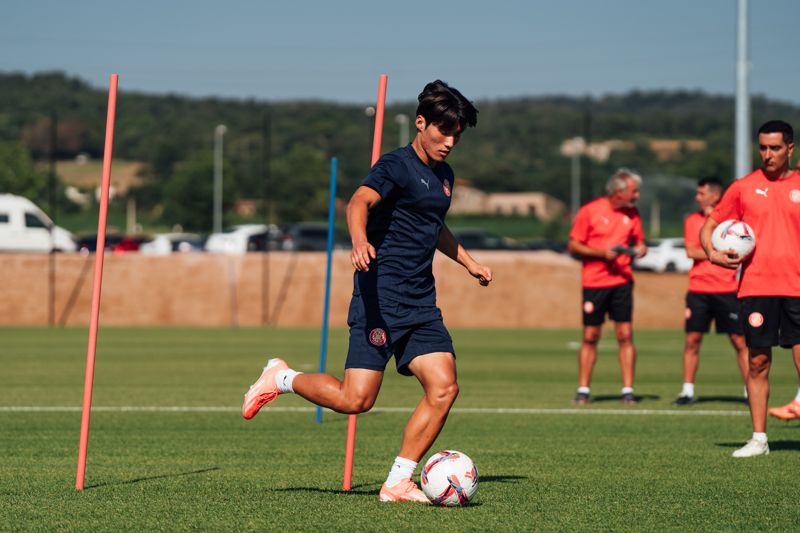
(25,228)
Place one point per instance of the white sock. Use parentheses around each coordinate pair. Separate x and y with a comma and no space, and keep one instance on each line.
(285,378)
(688,390)
(797,398)
(583,390)
(759,437)
(401,469)
(627,390)
(745,392)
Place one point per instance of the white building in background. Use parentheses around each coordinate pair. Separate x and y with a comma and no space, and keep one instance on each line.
(468,200)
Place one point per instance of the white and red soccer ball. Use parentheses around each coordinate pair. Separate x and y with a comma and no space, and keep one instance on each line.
(449,478)
(734,235)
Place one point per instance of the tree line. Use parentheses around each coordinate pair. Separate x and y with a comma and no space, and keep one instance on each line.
(280,150)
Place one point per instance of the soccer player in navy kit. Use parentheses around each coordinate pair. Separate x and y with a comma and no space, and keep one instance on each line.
(396,223)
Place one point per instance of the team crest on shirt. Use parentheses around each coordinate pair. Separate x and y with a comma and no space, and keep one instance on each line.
(588,307)
(755,319)
(377,337)
(794,196)
(446,188)
(626,220)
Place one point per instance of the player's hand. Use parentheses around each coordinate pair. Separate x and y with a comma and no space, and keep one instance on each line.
(641,250)
(610,255)
(361,255)
(726,258)
(482,273)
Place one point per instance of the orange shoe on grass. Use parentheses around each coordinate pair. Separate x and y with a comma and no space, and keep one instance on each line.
(790,411)
(405,491)
(264,390)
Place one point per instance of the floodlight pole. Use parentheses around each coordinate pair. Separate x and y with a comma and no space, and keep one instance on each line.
(403,121)
(575,184)
(219,131)
(743,156)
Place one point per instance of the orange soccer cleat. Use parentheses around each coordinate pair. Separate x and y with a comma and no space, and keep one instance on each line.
(405,491)
(264,390)
(790,411)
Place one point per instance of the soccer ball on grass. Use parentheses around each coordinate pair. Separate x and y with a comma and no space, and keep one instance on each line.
(449,478)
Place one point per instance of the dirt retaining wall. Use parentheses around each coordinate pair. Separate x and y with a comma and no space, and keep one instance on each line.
(531,289)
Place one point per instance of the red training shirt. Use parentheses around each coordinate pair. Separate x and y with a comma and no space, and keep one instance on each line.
(704,275)
(772,209)
(600,226)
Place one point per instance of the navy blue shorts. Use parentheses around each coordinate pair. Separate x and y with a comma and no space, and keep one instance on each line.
(382,329)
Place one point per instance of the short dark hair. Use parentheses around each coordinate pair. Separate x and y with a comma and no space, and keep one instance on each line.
(712,182)
(778,126)
(444,106)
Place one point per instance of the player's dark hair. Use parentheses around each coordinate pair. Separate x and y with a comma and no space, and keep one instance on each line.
(444,106)
(712,182)
(778,126)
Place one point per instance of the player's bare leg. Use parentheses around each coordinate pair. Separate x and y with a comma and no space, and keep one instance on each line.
(356,394)
(627,352)
(437,374)
(758,386)
(691,355)
(742,355)
(587,355)
(790,411)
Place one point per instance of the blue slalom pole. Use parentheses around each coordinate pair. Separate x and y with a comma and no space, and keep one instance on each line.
(323,349)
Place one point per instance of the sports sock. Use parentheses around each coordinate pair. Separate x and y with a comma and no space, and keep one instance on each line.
(583,390)
(797,398)
(401,469)
(627,390)
(688,390)
(759,437)
(285,378)
(745,392)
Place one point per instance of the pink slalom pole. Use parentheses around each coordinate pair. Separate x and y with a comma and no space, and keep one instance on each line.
(98,282)
(350,445)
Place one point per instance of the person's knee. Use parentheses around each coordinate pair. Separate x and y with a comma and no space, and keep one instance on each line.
(357,404)
(625,338)
(759,365)
(591,337)
(443,396)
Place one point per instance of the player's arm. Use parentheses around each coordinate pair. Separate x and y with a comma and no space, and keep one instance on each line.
(449,246)
(584,251)
(364,199)
(727,258)
(695,252)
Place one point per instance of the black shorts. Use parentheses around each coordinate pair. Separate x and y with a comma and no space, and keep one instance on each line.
(382,329)
(771,321)
(616,301)
(722,308)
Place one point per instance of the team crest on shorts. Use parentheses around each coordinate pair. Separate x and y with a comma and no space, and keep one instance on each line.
(446,188)
(794,196)
(377,337)
(755,319)
(688,313)
(588,307)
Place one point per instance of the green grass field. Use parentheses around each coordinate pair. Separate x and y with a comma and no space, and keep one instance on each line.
(546,466)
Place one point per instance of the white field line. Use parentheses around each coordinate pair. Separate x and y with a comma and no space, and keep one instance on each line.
(456,410)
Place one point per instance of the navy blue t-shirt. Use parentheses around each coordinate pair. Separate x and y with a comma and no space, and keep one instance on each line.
(404,227)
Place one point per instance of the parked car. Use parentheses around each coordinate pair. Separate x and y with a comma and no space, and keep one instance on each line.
(559,247)
(312,236)
(479,239)
(665,255)
(167,243)
(114,242)
(25,228)
(245,238)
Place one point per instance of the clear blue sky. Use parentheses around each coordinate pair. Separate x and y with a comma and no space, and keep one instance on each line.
(335,49)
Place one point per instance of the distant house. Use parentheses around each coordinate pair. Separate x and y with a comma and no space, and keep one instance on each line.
(468,200)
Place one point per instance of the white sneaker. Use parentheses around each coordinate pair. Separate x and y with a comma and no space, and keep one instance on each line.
(752,448)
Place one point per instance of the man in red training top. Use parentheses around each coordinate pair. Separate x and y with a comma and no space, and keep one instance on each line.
(711,295)
(606,234)
(769,201)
